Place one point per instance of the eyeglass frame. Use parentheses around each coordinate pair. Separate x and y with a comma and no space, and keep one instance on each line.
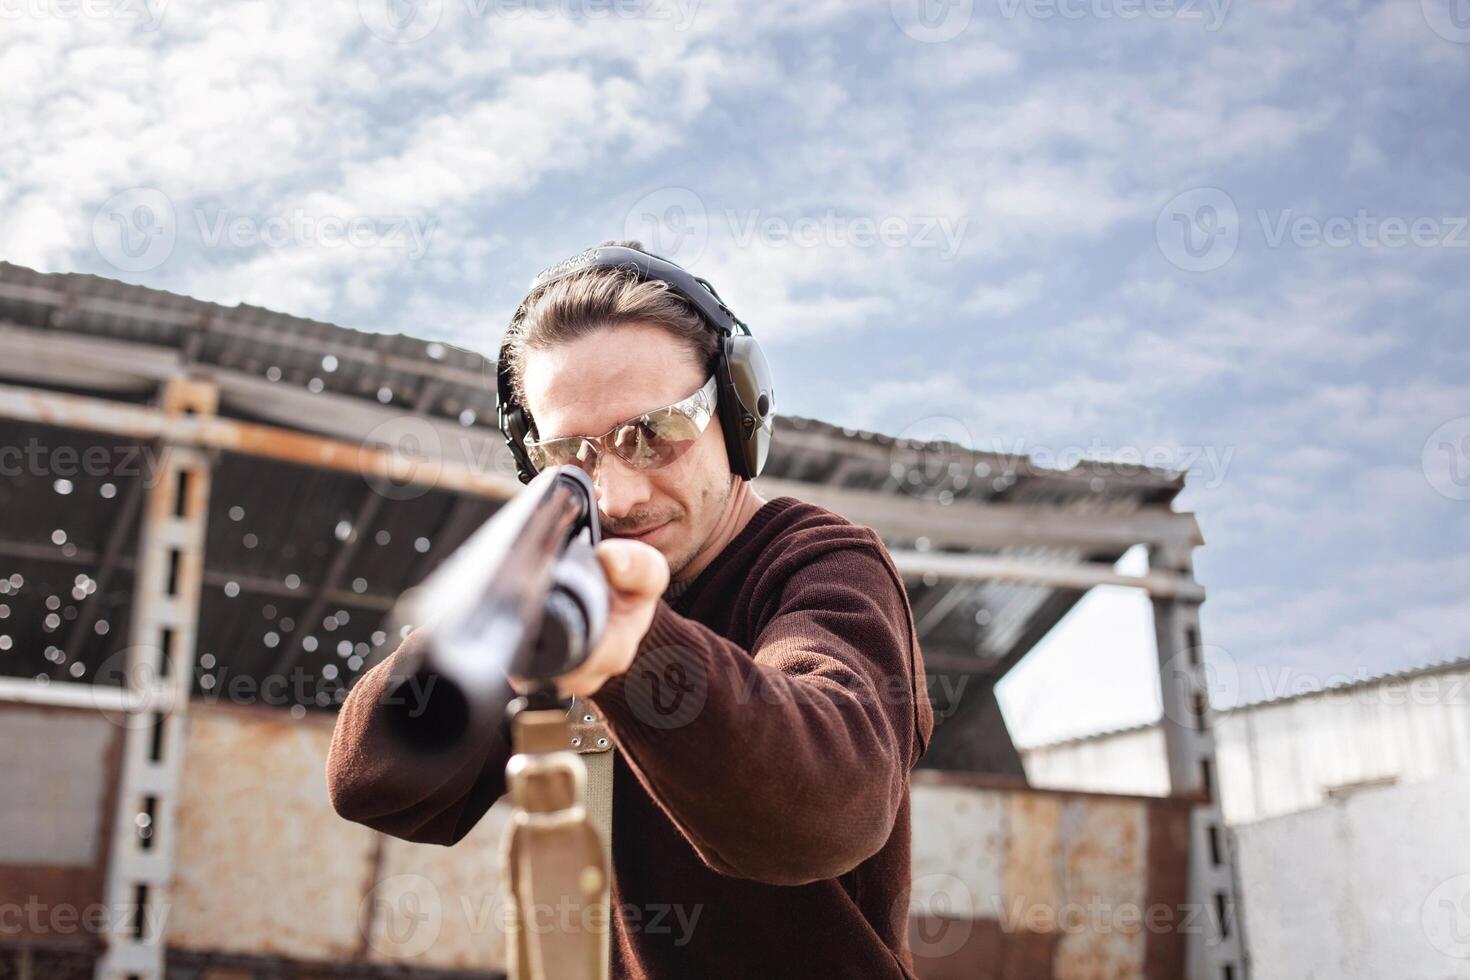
(698,406)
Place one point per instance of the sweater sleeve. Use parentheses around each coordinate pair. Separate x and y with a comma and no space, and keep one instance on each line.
(787,763)
(373,779)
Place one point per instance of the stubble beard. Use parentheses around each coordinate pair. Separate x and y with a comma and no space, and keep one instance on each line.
(718,507)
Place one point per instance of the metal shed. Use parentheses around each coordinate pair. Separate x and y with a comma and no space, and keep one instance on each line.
(216,505)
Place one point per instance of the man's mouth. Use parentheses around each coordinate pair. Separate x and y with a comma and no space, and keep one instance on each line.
(640,535)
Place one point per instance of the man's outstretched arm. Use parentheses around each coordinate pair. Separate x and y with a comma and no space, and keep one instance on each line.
(787,763)
(373,779)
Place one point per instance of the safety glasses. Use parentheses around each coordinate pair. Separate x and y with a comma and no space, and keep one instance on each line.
(645,442)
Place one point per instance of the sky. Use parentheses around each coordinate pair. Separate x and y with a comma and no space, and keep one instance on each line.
(1229,238)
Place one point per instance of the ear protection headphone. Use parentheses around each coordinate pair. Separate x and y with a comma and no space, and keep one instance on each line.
(745,398)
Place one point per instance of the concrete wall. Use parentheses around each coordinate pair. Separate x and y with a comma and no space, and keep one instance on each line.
(1007,881)
(58,767)
(1010,882)
(1289,755)
(1370,887)
(265,867)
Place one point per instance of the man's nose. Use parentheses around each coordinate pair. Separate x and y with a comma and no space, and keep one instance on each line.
(620,487)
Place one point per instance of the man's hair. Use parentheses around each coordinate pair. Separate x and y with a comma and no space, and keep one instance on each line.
(570,308)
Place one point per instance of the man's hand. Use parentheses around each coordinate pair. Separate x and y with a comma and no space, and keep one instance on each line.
(637,575)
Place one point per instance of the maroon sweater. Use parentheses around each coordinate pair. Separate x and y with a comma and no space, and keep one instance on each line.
(764,736)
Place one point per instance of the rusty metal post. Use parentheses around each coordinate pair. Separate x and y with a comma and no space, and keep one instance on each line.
(160,676)
(555,862)
(1214,949)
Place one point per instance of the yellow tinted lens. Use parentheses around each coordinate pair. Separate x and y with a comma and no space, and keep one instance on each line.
(654,440)
(563,452)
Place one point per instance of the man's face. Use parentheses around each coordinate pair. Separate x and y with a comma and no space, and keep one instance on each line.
(586,386)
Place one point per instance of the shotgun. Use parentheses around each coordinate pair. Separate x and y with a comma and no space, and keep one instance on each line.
(524,596)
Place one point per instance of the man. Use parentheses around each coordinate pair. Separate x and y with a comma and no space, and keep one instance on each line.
(759,677)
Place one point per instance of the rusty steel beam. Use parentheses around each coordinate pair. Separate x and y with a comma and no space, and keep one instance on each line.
(162,635)
(1188,726)
(66,694)
(993,525)
(248,438)
(974,526)
(1074,575)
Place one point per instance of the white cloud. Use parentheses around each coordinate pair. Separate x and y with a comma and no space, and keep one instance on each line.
(1005,298)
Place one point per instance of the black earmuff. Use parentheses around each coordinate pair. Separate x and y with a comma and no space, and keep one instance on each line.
(746,398)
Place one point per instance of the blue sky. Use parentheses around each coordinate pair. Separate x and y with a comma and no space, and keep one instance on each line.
(1233,236)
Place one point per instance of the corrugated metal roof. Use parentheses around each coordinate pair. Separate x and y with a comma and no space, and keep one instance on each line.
(1448,665)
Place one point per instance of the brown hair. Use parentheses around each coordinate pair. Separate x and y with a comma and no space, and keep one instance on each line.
(573,307)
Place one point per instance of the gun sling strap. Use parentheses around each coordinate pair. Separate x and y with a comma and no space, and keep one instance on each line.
(556,856)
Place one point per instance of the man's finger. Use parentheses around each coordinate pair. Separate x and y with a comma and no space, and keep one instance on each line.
(632,566)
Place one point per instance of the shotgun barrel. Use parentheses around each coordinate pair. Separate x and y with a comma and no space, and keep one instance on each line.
(524,596)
